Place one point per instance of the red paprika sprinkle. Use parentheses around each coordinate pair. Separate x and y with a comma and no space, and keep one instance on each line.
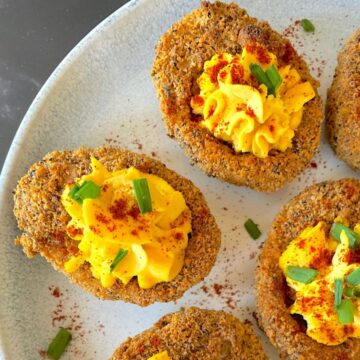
(214,70)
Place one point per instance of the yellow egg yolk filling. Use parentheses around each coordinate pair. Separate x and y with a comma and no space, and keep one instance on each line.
(236,109)
(161,356)
(154,242)
(314,248)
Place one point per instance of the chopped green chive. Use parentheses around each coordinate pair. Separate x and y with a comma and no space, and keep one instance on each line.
(338,291)
(73,191)
(58,344)
(352,292)
(274,76)
(307,25)
(142,194)
(336,230)
(119,256)
(345,312)
(354,278)
(349,292)
(262,77)
(301,274)
(87,190)
(252,229)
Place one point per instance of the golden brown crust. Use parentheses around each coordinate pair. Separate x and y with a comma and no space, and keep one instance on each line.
(43,219)
(343,104)
(180,55)
(320,202)
(194,334)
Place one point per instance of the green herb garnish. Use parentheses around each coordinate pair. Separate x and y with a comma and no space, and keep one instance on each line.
(252,229)
(301,274)
(338,228)
(87,190)
(58,344)
(354,278)
(262,77)
(307,25)
(351,292)
(119,256)
(338,291)
(142,194)
(73,191)
(274,76)
(345,312)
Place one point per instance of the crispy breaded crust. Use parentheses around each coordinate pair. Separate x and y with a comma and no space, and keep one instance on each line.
(195,334)
(343,104)
(43,219)
(180,55)
(320,202)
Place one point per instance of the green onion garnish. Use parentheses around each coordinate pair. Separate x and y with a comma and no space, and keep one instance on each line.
(349,292)
(274,76)
(73,191)
(307,25)
(142,194)
(345,312)
(262,77)
(58,344)
(252,229)
(87,190)
(337,228)
(301,274)
(354,278)
(338,290)
(119,256)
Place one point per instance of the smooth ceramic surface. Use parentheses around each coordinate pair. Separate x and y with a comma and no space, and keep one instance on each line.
(102,94)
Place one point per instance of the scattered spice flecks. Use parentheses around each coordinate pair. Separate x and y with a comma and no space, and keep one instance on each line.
(112,141)
(218,288)
(55,292)
(205,289)
(138,144)
(67,314)
(224,291)
(252,255)
(298,37)
(43,354)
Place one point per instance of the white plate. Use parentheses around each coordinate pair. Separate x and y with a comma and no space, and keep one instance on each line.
(102,91)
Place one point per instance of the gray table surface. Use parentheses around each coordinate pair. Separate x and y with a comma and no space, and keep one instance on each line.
(35,35)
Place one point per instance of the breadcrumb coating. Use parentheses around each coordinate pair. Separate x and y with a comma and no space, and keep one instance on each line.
(195,334)
(43,219)
(179,58)
(321,202)
(343,104)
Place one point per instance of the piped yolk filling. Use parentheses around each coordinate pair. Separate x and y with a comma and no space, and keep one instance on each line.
(154,242)
(238,110)
(160,356)
(314,248)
